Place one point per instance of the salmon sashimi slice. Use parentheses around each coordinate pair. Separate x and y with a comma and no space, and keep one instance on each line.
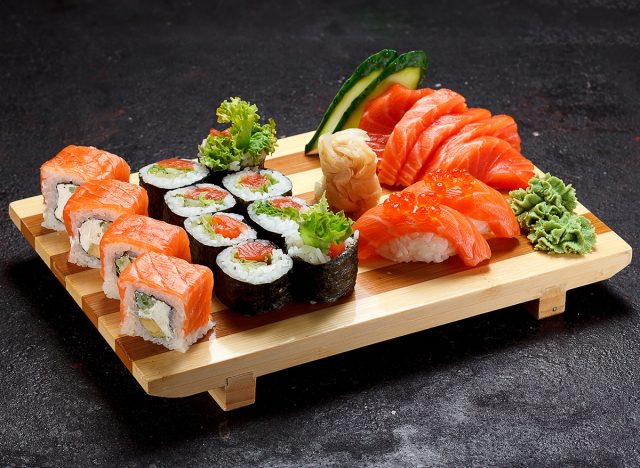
(142,234)
(499,126)
(409,227)
(254,181)
(384,112)
(106,195)
(490,159)
(377,142)
(406,133)
(190,285)
(431,138)
(485,207)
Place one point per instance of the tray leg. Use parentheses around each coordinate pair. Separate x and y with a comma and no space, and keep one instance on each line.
(551,303)
(239,391)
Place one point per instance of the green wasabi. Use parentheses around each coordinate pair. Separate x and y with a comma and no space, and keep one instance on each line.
(546,209)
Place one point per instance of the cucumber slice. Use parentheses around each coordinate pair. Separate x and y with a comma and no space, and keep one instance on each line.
(366,73)
(408,70)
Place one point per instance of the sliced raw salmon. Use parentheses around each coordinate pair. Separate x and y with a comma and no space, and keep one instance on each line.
(406,133)
(490,159)
(460,190)
(431,138)
(227,226)
(384,112)
(255,252)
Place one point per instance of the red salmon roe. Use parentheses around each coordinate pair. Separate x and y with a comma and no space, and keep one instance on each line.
(407,204)
(209,193)
(442,181)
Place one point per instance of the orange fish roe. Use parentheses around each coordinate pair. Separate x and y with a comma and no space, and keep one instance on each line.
(255,252)
(254,181)
(227,226)
(177,163)
(442,182)
(285,202)
(399,205)
(209,193)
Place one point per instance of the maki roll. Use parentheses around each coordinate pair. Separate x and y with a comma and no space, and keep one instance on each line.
(91,210)
(246,143)
(325,255)
(276,217)
(169,174)
(253,277)
(165,300)
(70,168)
(132,235)
(250,185)
(211,233)
(195,200)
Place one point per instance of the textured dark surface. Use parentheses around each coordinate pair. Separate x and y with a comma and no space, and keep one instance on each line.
(143,79)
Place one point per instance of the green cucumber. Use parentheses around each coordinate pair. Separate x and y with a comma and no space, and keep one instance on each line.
(366,73)
(408,70)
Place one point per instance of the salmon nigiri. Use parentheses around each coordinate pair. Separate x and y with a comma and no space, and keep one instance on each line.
(484,206)
(406,133)
(431,138)
(417,228)
(385,111)
(349,169)
(490,159)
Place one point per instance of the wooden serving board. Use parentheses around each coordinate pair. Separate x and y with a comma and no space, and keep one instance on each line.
(389,300)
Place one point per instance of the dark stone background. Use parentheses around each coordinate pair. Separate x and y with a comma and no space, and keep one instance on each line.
(142,79)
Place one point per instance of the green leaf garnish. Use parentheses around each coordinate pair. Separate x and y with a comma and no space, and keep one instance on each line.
(320,227)
(159,170)
(247,139)
(264,207)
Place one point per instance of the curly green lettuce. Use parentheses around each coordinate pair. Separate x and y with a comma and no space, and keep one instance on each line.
(266,208)
(246,143)
(544,197)
(569,233)
(320,227)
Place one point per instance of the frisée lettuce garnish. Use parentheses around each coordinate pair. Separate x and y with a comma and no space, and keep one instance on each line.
(246,143)
(265,207)
(320,227)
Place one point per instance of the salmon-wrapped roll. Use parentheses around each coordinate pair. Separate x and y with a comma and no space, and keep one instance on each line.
(130,236)
(165,300)
(70,168)
(91,210)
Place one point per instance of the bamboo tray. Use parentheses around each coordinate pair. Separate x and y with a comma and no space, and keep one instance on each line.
(389,300)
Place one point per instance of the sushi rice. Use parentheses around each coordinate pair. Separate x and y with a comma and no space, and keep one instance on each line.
(258,273)
(169,182)
(418,247)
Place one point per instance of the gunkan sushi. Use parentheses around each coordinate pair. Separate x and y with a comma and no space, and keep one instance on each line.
(130,236)
(253,277)
(276,217)
(169,174)
(91,210)
(211,233)
(70,168)
(249,185)
(180,204)
(165,300)
(416,228)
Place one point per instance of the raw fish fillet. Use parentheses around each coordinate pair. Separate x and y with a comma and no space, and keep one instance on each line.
(384,112)
(461,191)
(109,195)
(406,133)
(490,159)
(406,216)
(431,138)
(349,169)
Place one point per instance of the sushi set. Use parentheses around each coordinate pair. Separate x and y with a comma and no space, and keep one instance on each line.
(204,274)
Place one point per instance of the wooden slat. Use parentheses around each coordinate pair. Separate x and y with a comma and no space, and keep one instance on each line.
(389,300)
